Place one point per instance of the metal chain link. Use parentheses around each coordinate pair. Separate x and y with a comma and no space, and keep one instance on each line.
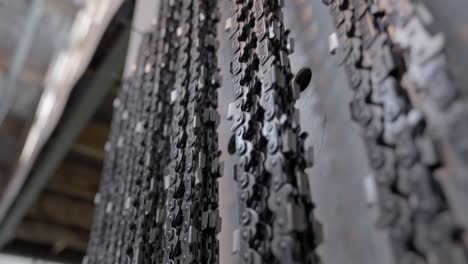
(98,228)
(192,219)
(276,212)
(413,206)
(130,209)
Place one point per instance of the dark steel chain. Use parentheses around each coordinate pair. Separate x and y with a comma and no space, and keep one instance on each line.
(431,88)
(129,220)
(97,236)
(154,198)
(276,212)
(413,205)
(203,146)
(173,182)
(192,220)
(132,169)
(116,193)
(110,243)
(190,236)
(211,222)
(250,240)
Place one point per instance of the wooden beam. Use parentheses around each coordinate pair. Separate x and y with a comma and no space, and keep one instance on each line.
(88,152)
(12,126)
(62,210)
(14,206)
(9,151)
(94,135)
(55,235)
(66,8)
(20,247)
(104,113)
(76,179)
(12,132)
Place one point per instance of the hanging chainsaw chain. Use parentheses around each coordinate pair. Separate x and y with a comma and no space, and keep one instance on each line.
(192,218)
(402,154)
(276,212)
(166,59)
(130,205)
(105,243)
(97,238)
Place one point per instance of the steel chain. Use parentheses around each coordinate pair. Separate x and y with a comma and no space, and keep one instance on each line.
(413,206)
(192,219)
(276,213)
(98,228)
(130,207)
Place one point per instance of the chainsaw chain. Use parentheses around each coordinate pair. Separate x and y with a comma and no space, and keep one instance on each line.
(432,89)
(173,185)
(276,212)
(134,138)
(130,208)
(192,218)
(210,82)
(111,241)
(97,236)
(154,210)
(403,155)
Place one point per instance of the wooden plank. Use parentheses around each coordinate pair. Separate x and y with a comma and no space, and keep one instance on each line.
(12,131)
(62,210)
(55,235)
(12,126)
(34,250)
(89,152)
(76,179)
(104,113)
(18,199)
(94,135)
